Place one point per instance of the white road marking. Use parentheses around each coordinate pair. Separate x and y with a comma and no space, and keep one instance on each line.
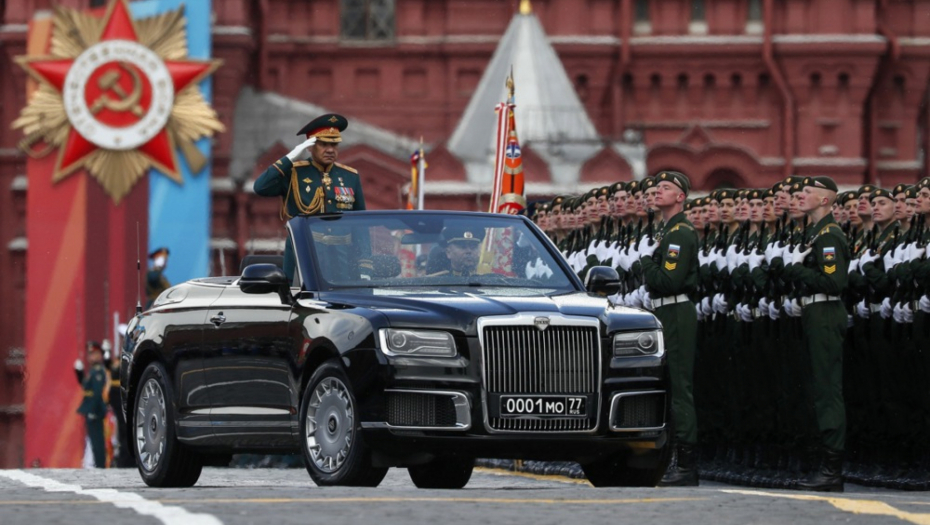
(167,514)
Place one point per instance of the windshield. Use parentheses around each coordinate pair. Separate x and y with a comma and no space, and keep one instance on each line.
(430,251)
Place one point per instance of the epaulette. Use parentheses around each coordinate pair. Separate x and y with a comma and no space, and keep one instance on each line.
(347,168)
(826,229)
(301,163)
(681,224)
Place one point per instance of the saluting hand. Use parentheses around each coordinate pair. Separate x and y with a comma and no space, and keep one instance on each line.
(300,148)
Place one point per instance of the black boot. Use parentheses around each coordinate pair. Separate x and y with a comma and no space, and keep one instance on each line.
(684,473)
(829,477)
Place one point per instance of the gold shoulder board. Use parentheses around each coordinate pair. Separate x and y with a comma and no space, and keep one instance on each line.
(302,163)
(347,168)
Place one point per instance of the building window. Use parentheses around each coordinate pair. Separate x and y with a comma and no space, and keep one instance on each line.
(698,24)
(367,19)
(754,18)
(641,23)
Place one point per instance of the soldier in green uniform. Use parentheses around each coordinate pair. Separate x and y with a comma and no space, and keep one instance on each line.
(669,265)
(820,265)
(314,186)
(96,385)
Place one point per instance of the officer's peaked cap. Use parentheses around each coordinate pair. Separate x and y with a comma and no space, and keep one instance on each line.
(326,128)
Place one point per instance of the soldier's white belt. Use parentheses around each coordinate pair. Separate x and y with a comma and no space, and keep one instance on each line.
(672,299)
(875,308)
(818,298)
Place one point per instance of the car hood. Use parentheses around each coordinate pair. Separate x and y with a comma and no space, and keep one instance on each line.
(460,310)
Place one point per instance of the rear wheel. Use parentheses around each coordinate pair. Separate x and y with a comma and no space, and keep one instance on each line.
(162,460)
(331,439)
(627,470)
(442,473)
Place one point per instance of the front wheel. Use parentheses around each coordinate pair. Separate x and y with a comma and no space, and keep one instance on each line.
(442,473)
(331,439)
(163,461)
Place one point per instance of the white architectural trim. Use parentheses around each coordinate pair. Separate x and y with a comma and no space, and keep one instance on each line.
(222,185)
(231,30)
(828,39)
(837,162)
(222,243)
(705,40)
(772,161)
(18,244)
(914,41)
(264,245)
(20,183)
(898,165)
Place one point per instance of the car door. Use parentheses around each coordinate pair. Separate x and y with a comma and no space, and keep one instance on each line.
(249,368)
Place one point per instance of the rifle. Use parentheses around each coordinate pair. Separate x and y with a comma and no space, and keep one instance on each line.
(706,238)
(650,227)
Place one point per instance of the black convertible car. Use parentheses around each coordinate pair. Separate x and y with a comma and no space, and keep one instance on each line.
(401,339)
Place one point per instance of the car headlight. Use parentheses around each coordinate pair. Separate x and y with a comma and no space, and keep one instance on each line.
(419,343)
(628,344)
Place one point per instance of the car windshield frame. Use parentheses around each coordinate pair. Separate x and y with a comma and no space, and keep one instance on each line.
(329,250)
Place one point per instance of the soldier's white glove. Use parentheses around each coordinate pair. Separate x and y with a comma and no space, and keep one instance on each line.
(774,312)
(868,256)
(913,252)
(763,307)
(907,313)
(862,309)
(732,258)
(647,301)
(792,308)
(797,255)
(890,259)
(772,252)
(720,259)
(700,313)
(646,247)
(755,260)
(636,298)
(703,259)
(707,307)
(745,313)
(720,304)
(924,304)
(625,261)
(853,265)
(896,313)
(543,270)
(79,365)
(300,148)
(887,310)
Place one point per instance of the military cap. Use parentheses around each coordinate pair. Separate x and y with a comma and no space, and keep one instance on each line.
(846,196)
(780,186)
(796,187)
(634,187)
(824,183)
(676,178)
(880,192)
(768,193)
(94,346)
(923,183)
(726,193)
(326,128)
(755,195)
(615,187)
(868,188)
(161,251)
(689,204)
(462,233)
(647,183)
(603,191)
(910,192)
(900,188)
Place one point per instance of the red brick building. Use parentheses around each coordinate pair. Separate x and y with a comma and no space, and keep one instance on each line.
(729,91)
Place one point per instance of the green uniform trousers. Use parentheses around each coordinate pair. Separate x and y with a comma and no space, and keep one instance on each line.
(679,330)
(824,327)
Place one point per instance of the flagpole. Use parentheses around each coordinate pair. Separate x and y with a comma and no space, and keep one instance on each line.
(421,175)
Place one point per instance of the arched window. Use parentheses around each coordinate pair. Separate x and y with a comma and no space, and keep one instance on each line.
(367,19)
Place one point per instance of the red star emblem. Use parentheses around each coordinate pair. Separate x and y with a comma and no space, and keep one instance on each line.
(118,95)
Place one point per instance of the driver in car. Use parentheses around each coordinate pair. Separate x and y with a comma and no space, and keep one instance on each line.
(463,248)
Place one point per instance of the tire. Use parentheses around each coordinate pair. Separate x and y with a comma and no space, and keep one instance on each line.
(334,452)
(161,459)
(617,471)
(442,473)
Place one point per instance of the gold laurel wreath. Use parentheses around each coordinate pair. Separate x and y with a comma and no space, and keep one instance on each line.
(45,124)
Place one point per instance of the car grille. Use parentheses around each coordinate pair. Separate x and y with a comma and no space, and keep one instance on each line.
(406,409)
(557,360)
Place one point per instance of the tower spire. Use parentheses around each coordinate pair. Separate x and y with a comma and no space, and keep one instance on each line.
(525,7)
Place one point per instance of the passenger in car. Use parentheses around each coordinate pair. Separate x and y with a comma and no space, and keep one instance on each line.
(463,248)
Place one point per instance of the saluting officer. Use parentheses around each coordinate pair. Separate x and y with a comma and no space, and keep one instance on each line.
(314,186)
(670,277)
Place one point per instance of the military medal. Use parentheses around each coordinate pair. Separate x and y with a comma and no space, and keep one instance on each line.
(307,181)
(326,180)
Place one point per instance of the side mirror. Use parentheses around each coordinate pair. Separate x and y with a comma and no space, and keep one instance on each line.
(603,281)
(265,278)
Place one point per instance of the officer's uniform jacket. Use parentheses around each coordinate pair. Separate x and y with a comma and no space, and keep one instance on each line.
(94,406)
(673,268)
(308,188)
(825,269)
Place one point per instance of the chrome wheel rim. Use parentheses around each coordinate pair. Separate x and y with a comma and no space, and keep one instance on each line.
(151,429)
(330,425)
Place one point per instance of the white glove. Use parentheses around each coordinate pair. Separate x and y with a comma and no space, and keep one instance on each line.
(792,308)
(772,252)
(755,260)
(720,304)
(774,312)
(708,308)
(543,270)
(867,257)
(704,260)
(886,308)
(798,256)
(79,365)
(647,301)
(927,254)
(914,252)
(745,313)
(925,304)
(646,247)
(300,148)
(531,269)
(853,265)
(720,259)
(732,258)
(625,261)
(896,313)
(700,313)
(636,298)
(907,313)
(862,309)
(763,307)
(890,259)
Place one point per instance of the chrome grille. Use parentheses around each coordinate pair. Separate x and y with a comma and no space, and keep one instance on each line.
(526,360)
(561,359)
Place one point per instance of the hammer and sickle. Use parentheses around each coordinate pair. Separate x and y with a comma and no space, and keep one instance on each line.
(110,81)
